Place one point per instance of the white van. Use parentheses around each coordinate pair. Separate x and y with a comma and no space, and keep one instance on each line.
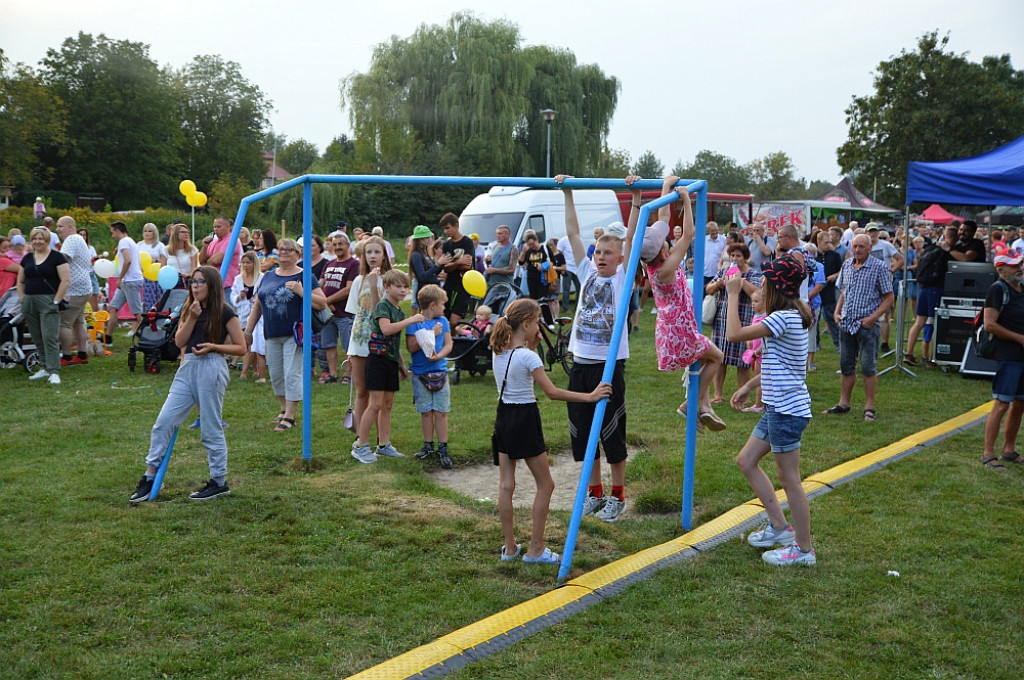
(542,210)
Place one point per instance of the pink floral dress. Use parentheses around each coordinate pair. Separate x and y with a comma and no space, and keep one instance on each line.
(676,336)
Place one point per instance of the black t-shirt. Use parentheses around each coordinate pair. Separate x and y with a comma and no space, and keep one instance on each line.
(42,279)
(832,263)
(975,244)
(1011,317)
(199,330)
(464,246)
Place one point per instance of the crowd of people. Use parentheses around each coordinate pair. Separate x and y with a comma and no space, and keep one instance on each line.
(770,298)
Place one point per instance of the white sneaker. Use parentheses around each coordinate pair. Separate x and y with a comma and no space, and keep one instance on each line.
(769,536)
(790,555)
(54,379)
(389,451)
(592,505)
(612,509)
(130,334)
(364,454)
(39,375)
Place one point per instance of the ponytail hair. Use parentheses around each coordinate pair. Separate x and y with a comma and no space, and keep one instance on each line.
(516,314)
(775,301)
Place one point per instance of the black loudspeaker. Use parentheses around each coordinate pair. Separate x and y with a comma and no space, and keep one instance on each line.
(968,284)
(975,365)
(954,326)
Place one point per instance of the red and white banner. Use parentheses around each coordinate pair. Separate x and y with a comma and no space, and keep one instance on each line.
(773,216)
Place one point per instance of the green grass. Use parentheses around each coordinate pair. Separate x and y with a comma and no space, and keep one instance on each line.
(323,573)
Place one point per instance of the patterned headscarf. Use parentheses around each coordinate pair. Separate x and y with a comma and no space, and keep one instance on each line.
(786,274)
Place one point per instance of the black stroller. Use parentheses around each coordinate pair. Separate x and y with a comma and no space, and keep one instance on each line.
(16,345)
(155,336)
(471,351)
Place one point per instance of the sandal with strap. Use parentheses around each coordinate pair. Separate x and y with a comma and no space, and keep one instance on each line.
(869,415)
(284,425)
(278,418)
(838,410)
(1012,457)
(992,463)
(546,557)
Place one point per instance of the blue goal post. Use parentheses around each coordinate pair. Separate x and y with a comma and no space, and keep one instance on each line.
(621,318)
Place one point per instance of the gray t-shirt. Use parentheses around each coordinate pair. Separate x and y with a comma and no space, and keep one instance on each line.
(756,256)
(519,388)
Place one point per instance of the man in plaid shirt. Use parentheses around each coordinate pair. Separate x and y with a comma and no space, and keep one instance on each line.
(865,285)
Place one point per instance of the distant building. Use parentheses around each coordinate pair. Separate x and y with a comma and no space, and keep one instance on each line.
(275,173)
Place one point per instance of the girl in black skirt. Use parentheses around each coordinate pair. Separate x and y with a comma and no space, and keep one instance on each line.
(518,431)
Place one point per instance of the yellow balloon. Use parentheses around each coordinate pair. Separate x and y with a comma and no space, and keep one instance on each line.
(200,199)
(152,272)
(473,282)
(145,259)
(187,187)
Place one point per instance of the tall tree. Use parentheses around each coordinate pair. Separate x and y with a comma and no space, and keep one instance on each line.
(930,104)
(297,156)
(122,131)
(31,118)
(469,90)
(648,166)
(722,173)
(223,117)
(772,177)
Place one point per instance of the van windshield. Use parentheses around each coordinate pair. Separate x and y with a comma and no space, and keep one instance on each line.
(486,225)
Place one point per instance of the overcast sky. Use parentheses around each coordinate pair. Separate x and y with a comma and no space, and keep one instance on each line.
(740,77)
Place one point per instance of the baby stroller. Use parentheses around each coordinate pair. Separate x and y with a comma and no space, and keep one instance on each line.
(16,345)
(155,336)
(471,349)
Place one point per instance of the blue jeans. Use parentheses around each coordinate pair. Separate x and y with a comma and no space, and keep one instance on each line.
(863,345)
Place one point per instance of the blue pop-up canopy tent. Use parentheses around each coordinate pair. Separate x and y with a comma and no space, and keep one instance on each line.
(993,178)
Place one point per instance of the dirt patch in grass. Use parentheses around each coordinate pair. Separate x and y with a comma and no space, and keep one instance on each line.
(480,482)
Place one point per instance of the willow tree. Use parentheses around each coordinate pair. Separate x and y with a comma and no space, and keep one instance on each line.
(468,95)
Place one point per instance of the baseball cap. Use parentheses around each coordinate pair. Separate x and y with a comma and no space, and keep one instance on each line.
(871,226)
(17,240)
(785,273)
(616,229)
(654,239)
(1011,257)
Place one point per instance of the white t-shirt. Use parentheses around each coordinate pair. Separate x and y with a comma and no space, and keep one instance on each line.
(570,260)
(134,269)
(358,305)
(181,261)
(713,251)
(1018,244)
(595,314)
(884,251)
(519,388)
(155,251)
(77,253)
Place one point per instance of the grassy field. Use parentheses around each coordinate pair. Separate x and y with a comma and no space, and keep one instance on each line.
(325,572)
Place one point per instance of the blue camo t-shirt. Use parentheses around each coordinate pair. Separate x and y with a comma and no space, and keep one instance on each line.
(784,364)
(420,363)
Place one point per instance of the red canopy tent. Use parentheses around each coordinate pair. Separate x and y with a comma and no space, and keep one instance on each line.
(937,214)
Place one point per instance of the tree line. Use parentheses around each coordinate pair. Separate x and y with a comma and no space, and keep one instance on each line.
(99,116)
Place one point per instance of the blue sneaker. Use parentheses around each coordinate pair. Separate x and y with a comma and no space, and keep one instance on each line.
(194,425)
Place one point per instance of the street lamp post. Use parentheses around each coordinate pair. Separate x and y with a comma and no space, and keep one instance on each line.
(549,116)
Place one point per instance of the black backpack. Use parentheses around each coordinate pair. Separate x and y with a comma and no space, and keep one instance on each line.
(984,342)
(931,266)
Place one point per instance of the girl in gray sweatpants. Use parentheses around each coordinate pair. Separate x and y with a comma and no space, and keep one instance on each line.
(208,330)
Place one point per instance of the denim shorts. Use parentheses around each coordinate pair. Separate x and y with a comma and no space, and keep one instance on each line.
(338,329)
(1008,385)
(863,345)
(781,430)
(427,401)
(928,301)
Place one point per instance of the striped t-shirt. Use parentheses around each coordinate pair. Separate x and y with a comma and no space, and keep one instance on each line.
(784,364)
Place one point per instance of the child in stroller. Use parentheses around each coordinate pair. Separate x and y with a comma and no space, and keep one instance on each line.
(16,345)
(155,337)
